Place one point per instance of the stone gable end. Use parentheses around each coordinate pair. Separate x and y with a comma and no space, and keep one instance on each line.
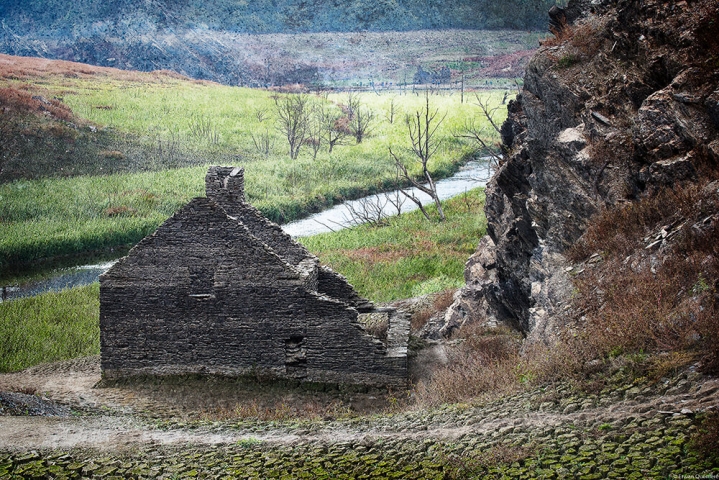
(218,289)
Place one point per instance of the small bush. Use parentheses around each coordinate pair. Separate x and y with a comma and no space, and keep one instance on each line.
(568,60)
(706,440)
(122,210)
(420,318)
(620,230)
(483,364)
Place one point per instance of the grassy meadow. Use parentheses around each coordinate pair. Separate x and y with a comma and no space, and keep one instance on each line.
(203,123)
(49,327)
(407,257)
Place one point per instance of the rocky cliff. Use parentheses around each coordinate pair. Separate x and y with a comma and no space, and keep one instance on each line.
(620,106)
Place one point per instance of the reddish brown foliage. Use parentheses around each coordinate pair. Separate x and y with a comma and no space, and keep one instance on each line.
(14,101)
(706,442)
(638,300)
(121,211)
(620,230)
(23,68)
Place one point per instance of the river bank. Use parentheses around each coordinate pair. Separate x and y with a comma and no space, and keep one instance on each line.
(472,175)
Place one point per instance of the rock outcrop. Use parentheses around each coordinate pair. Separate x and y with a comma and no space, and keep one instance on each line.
(622,103)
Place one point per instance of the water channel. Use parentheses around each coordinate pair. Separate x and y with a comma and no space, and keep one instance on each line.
(472,175)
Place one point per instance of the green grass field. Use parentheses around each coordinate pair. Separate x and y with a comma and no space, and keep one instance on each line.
(49,327)
(408,257)
(49,217)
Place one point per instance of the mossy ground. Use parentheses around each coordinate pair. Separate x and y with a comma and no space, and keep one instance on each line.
(620,434)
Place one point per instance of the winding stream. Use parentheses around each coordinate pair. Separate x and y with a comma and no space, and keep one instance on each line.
(472,175)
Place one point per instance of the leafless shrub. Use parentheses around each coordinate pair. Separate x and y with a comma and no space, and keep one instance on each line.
(293,118)
(478,132)
(261,114)
(443,300)
(440,303)
(484,364)
(368,210)
(263,142)
(201,128)
(420,318)
(422,128)
(619,230)
(664,303)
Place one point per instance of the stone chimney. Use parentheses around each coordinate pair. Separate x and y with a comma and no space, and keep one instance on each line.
(225,184)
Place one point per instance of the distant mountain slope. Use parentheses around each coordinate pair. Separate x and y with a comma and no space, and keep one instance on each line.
(216,39)
(119,17)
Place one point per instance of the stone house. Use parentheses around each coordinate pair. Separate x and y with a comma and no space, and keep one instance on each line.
(220,290)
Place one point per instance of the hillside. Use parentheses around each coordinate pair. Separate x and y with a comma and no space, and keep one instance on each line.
(86,18)
(254,43)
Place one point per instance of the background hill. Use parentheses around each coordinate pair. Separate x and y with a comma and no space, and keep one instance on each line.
(99,17)
(248,43)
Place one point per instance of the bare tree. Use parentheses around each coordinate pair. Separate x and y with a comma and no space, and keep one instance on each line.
(481,133)
(361,123)
(335,126)
(377,209)
(353,104)
(263,142)
(488,110)
(360,117)
(396,197)
(422,129)
(392,110)
(261,114)
(315,127)
(293,115)
(369,210)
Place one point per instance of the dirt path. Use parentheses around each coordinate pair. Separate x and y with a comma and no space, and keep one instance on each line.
(125,417)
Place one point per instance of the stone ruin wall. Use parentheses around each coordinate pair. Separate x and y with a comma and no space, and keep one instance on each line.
(203,295)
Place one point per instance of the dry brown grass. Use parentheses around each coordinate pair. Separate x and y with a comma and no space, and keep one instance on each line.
(484,363)
(620,230)
(443,300)
(664,302)
(30,68)
(580,42)
(120,211)
(14,101)
(440,303)
(664,305)
(279,411)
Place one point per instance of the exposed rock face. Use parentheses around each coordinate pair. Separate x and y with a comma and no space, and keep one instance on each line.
(623,103)
(219,289)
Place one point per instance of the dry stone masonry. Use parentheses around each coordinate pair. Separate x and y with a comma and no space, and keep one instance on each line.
(220,290)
